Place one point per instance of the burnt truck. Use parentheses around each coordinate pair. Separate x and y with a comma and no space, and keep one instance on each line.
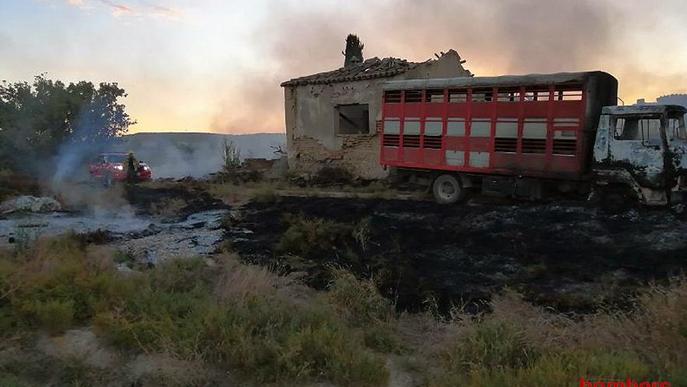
(524,136)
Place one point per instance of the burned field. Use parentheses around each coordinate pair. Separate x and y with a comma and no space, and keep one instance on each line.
(162,264)
(177,200)
(568,256)
(565,254)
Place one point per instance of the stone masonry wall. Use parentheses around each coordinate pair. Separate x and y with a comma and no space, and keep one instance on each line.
(312,119)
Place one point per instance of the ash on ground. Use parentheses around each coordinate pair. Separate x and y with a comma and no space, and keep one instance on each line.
(150,225)
(566,255)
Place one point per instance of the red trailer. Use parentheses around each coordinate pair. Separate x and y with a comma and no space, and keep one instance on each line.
(498,133)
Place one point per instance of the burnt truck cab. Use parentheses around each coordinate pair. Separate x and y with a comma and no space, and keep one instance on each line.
(640,152)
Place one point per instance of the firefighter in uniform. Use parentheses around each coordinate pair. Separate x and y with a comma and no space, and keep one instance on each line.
(131,169)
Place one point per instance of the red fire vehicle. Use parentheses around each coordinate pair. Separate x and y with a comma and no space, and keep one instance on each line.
(111,167)
(520,135)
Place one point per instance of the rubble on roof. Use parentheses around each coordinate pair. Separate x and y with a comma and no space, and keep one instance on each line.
(370,69)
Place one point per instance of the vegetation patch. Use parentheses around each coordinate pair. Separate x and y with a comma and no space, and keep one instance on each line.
(260,328)
(519,345)
(188,309)
(314,237)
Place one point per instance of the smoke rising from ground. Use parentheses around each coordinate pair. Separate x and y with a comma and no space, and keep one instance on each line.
(504,37)
(175,155)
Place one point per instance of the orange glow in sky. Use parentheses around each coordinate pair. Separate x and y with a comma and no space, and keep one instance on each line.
(213,65)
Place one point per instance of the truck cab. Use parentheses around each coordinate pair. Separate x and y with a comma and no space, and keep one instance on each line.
(640,153)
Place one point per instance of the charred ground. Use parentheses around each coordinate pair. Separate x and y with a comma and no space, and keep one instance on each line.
(568,255)
(565,254)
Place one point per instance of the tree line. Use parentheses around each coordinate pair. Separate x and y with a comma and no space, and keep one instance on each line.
(38,118)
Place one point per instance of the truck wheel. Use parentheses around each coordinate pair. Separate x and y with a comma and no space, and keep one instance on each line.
(447,190)
(616,199)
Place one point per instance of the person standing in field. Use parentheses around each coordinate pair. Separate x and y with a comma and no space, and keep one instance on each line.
(131,169)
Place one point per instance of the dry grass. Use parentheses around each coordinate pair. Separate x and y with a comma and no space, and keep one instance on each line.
(236,194)
(656,330)
(241,283)
(264,328)
(228,316)
(518,344)
(270,191)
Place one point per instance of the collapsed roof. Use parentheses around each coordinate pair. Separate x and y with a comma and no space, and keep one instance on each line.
(370,69)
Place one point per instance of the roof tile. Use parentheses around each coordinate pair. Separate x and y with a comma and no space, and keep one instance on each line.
(370,69)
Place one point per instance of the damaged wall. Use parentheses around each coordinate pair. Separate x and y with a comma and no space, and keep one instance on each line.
(312,141)
(312,119)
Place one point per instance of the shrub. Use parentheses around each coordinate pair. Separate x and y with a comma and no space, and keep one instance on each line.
(183,310)
(52,285)
(228,315)
(240,283)
(361,304)
(265,194)
(359,300)
(521,345)
(231,155)
(485,347)
(53,315)
(314,237)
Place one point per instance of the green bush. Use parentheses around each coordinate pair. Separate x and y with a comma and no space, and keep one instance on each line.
(361,304)
(520,345)
(257,329)
(55,316)
(491,345)
(314,237)
(174,309)
(267,338)
(359,300)
(52,286)
(265,195)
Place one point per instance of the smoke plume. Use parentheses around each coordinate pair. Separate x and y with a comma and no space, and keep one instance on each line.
(504,37)
(495,37)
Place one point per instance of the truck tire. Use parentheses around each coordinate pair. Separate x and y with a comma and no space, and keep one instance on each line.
(616,198)
(447,189)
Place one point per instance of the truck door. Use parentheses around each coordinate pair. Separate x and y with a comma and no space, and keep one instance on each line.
(95,166)
(677,144)
(638,144)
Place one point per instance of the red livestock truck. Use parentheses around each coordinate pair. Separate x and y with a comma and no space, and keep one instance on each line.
(521,135)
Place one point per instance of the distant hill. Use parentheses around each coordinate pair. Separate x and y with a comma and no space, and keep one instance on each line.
(195,154)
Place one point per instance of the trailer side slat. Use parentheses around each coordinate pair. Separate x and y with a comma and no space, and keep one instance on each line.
(540,129)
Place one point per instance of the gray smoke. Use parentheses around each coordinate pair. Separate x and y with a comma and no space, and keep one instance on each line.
(496,37)
(175,155)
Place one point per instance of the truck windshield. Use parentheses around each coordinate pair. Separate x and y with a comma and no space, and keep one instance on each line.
(640,128)
(116,158)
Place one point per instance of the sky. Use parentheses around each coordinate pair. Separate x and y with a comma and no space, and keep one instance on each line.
(216,65)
